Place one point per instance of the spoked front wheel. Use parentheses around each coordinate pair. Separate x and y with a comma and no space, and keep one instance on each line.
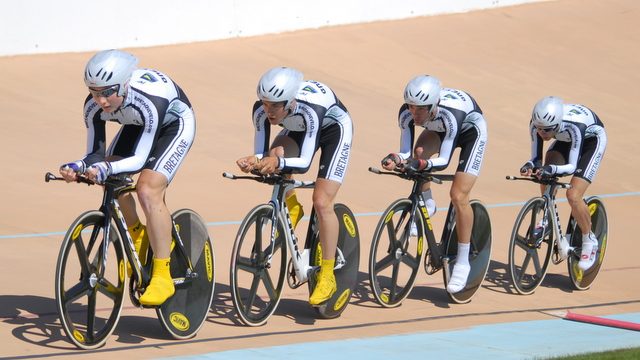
(582,280)
(183,314)
(394,258)
(530,249)
(347,262)
(479,253)
(89,289)
(258,266)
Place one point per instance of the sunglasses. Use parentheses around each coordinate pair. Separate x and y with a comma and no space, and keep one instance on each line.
(105,92)
(548,129)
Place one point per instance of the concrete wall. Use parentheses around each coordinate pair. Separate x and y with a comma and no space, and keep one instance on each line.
(45,26)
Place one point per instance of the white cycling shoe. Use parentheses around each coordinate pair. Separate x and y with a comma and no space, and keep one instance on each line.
(458,279)
(588,253)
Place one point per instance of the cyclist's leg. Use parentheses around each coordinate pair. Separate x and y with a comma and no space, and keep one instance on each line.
(586,169)
(335,142)
(473,144)
(151,189)
(165,159)
(286,146)
(323,202)
(427,144)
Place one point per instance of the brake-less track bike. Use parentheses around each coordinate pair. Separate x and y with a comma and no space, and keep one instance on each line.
(530,255)
(395,254)
(91,271)
(259,258)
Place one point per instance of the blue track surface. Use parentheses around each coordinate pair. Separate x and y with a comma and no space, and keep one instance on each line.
(519,340)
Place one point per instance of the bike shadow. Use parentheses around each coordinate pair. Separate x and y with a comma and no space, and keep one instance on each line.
(35,321)
(222,311)
(499,280)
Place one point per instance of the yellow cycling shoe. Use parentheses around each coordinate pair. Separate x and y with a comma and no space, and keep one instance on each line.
(140,242)
(161,287)
(325,288)
(295,209)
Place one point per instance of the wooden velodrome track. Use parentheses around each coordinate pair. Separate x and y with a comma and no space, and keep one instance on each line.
(585,51)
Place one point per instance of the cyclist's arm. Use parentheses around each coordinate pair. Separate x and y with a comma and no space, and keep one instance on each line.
(96,133)
(262,130)
(536,146)
(407,132)
(452,126)
(150,132)
(312,115)
(577,135)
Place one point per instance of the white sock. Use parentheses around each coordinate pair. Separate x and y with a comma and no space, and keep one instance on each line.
(463,254)
(587,238)
(429,202)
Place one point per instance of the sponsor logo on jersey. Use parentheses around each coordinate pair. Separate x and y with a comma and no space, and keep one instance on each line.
(320,87)
(574,112)
(149,77)
(450,96)
(342,160)
(172,163)
(477,158)
(309,89)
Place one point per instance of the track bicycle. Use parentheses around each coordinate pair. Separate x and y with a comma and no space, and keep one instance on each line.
(259,257)
(91,271)
(531,250)
(396,254)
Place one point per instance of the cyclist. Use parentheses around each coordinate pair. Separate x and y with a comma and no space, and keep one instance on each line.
(578,148)
(451,118)
(158,128)
(312,118)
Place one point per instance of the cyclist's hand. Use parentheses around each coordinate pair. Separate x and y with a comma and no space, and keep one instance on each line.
(413,165)
(99,172)
(268,165)
(391,161)
(545,172)
(70,171)
(247,163)
(527,169)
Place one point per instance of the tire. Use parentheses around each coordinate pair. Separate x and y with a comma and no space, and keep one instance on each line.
(582,280)
(183,314)
(347,275)
(479,253)
(255,287)
(89,293)
(394,257)
(529,258)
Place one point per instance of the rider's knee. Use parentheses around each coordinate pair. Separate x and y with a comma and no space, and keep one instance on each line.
(574,197)
(322,205)
(459,197)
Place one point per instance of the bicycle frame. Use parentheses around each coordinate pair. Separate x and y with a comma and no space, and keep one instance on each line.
(281,185)
(299,259)
(549,196)
(418,203)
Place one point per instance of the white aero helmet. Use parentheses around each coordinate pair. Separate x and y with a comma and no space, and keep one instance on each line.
(279,84)
(422,90)
(548,113)
(109,68)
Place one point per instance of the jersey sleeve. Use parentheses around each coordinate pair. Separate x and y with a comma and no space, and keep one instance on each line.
(262,130)
(536,146)
(407,132)
(452,125)
(576,134)
(152,110)
(313,115)
(96,134)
